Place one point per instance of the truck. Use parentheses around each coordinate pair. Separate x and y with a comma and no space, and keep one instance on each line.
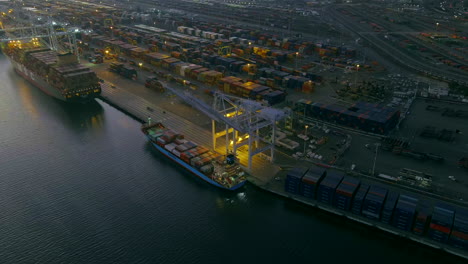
(96,59)
(153,82)
(124,70)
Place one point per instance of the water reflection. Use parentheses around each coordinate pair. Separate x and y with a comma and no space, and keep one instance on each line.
(83,116)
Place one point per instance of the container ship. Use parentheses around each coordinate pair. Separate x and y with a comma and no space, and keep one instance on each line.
(58,75)
(219,170)
(431,222)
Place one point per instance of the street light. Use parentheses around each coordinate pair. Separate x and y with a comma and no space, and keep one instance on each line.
(295,61)
(355,75)
(305,139)
(437,26)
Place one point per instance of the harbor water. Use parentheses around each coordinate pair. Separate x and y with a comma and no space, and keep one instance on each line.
(80,184)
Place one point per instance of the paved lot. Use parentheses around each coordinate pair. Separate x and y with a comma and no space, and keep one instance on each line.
(389,163)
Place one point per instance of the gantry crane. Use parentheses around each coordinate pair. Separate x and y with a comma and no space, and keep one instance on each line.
(256,122)
(42,32)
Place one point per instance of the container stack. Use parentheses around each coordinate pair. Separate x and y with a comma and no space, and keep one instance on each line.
(294,178)
(356,207)
(459,236)
(374,201)
(327,188)
(389,207)
(404,212)
(423,214)
(441,223)
(310,182)
(345,193)
(365,116)
(274,97)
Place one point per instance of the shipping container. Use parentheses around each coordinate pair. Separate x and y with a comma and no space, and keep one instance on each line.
(423,216)
(310,182)
(441,222)
(359,199)
(389,207)
(373,202)
(403,216)
(459,236)
(327,188)
(294,178)
(345,193)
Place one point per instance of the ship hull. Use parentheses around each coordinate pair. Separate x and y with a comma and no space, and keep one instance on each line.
(40,83)
(192,169)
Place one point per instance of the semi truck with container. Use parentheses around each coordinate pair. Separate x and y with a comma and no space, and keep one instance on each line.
(153,83)
(124,70)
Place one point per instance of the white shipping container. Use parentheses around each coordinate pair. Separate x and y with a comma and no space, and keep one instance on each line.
(170,147)
(175,152)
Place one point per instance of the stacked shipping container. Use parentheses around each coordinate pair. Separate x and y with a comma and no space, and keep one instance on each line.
(441,223)
(404,212)
(401,211)
(345,193)
(294,178)
(327,188)
(361,115)
(374,201)
(311,181)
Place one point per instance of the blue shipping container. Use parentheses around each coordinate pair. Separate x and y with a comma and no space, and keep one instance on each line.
(389,207)
(404,212)
(359,198)
(373,203)
(327,188)
(310,181)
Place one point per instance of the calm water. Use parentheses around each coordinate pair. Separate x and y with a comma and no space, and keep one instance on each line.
(81,185)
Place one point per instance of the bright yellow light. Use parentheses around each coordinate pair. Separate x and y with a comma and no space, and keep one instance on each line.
(232,142)
(107,52)
(140,64)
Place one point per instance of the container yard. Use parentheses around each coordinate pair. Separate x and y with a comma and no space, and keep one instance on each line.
(375,104)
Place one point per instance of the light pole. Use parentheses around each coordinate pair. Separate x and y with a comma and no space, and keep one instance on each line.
(355,76)
(437,26)
(377,145)
(305,139)
(295,61)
